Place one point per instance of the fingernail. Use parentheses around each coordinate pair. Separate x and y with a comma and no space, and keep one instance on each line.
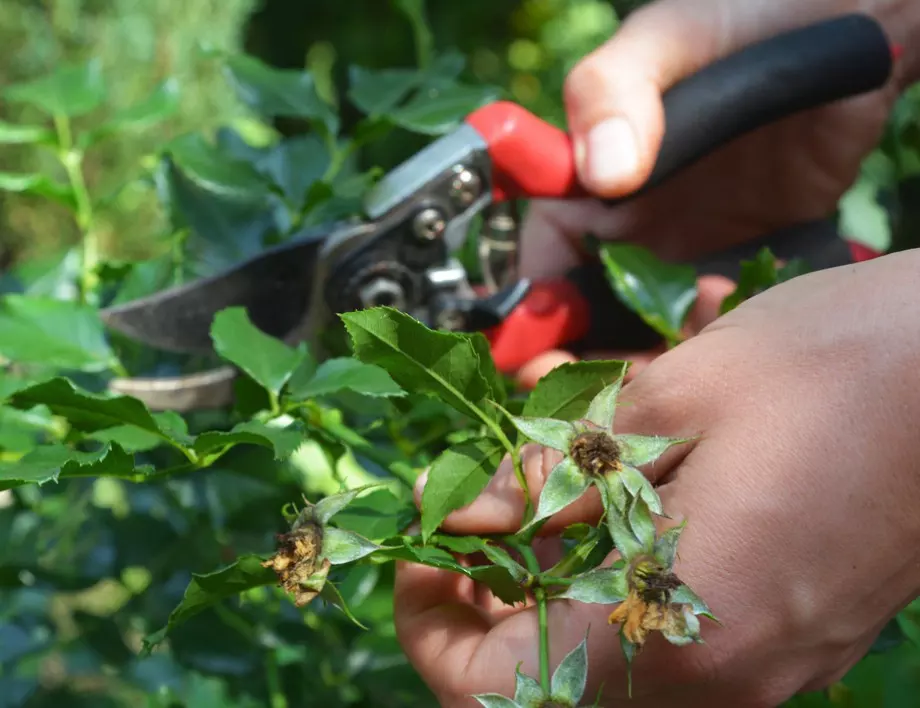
(611,153)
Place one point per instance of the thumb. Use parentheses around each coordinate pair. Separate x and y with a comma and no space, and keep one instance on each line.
(614,95)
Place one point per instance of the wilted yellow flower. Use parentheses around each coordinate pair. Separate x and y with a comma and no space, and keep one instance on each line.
(649,606)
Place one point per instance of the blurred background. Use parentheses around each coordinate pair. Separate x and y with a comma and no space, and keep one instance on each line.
(525,47)
(89,567)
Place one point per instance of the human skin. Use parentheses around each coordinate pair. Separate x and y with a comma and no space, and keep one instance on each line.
(800,496)
(801,490)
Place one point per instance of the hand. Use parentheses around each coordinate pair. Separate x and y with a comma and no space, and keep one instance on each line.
(784,174)
(801,498)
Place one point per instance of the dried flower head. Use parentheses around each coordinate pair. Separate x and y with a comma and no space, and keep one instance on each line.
(594,455)
(650,596)
(298,562)
(308,551)
(648,606)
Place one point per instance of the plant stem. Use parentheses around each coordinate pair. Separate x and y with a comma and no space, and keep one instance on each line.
(518,463)
(72,160)
(539,593)
(272,677)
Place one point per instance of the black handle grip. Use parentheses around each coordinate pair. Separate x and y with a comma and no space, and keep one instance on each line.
(767,81)
(614,327)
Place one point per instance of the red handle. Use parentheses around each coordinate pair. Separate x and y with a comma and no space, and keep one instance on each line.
(532,159)
(555,314)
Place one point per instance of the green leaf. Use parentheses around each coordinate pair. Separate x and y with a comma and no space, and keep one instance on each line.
(555,434)
(863,217)
(566,392)
(638,485)
(437,111)
(162,103)
(440,364)
(602,586)
(283,442)
(660,293)
(89,412)
(128,437)
(48,332)
(20,430)
(215,170)
(666,545)
(464,545)
(571,676)
(497,390)
(603,407)
(267,360)
(345,374)
(37,185)
(527,690)
(206,590)
(377,516)
(295,165)
(629,654)
(503,559)
(456,478)
(329,506)
(279,93)
(639,450)
(11,134)
(495,700)
(70,90)
(589,549)
(760,274)
(330,593)
(616,502)
(565,485)
(341,546)
(685,596)
(376,92)
(641,522)
(500,583)
(497,579)
(222,228)
(50,463)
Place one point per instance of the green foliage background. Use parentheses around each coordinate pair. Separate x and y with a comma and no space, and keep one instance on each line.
(90,567)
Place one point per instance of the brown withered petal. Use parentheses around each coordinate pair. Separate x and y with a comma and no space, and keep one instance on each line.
(295,562)
(639,618)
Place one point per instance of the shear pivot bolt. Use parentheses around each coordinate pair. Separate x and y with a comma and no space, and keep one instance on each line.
(465,187)
(429,224)
(382,292)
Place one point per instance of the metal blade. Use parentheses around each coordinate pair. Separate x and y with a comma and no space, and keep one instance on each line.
(209,389)
(274,287)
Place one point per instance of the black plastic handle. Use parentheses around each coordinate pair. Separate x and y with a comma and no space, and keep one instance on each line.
(614,327)
(764,82)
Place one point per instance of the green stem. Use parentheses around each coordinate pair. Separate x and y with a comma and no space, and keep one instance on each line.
(72,160)
(539,593)
(273,678)
(542,618)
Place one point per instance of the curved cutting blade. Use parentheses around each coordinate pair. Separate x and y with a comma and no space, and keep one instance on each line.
(274,287)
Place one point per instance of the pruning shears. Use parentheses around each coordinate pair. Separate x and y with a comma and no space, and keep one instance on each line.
(402,252)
